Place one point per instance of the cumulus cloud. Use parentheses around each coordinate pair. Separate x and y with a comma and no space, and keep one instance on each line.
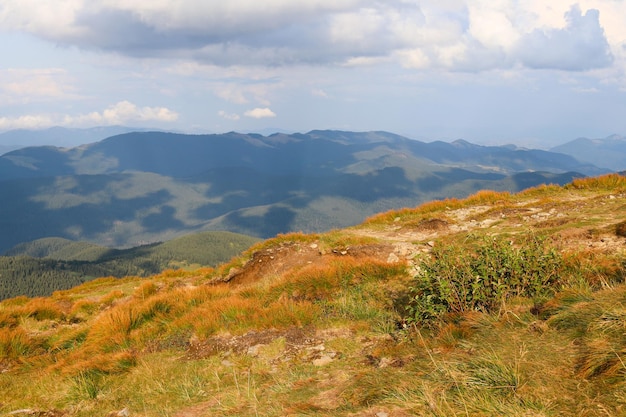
(123,112)
(456,35)
(260,113)
(26,122)
(120,113)
(228,116)
(580,45)
(26,85)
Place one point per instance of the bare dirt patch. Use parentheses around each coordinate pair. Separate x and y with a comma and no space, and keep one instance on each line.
(296,339)
(289,257)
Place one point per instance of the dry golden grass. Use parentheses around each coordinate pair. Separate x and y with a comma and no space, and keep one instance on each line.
(485,197)
(15,343)
(610,182)
(41,309)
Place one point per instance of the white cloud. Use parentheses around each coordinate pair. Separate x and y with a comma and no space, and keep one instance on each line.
(121,113)
(26,122)
(235,91)
(580,45)
(466,35)
(260,113)
(25,85)
(318,92)
(228,116)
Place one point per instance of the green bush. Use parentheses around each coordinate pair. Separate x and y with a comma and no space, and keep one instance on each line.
(457,279)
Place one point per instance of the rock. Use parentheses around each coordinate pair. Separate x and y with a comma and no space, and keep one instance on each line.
(122,413)
(232,272)
(254,350)
(323,360)
(24,411)
(393,258)
(385,362)
(382,414)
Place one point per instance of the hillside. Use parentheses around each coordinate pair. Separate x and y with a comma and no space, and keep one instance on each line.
(498,304)
(43,266)
(609,152)
(153,186)
(57,136)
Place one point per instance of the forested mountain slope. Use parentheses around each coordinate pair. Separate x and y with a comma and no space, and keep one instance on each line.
(43,266)
(145,187)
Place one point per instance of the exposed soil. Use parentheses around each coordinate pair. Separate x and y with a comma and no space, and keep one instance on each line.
(293,256)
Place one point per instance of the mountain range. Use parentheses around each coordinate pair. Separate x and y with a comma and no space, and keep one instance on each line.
(609,152)
(142,187)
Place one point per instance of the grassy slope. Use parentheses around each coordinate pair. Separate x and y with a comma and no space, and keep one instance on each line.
(318,324)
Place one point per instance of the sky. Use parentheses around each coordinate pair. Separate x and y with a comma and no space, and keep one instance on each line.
(529,72)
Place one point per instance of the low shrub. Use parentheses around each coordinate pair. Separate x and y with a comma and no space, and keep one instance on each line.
(455,280)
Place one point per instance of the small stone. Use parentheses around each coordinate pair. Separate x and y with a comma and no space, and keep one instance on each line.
(393,258)
(313,246)
(254,350)
(323,360)
(382,414)
(26,411)
(385,362)
(431,243)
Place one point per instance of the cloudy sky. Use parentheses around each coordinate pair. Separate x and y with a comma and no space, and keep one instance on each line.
(490,71)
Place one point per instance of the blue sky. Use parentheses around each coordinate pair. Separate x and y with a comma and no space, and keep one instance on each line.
(529,72)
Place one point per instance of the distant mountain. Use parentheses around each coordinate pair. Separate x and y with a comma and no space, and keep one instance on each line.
(57,136)
(609,152)
(154,186)
(45,265)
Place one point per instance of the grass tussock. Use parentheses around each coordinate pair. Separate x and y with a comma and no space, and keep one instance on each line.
(15,344)
(42,309)
(611,182)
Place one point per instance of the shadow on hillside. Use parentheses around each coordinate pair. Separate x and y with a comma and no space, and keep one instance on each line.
(162,220)
(123,206)
(276,220)
(36,208)
(441,179)
(526,180)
